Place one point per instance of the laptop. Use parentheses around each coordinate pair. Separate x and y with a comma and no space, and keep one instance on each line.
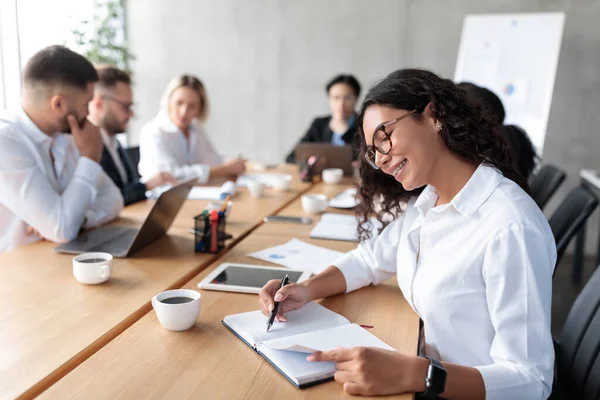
(330,156)
(121,241)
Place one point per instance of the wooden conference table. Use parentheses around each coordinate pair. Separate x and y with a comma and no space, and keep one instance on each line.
(82,340)
(49,322)
(208,361)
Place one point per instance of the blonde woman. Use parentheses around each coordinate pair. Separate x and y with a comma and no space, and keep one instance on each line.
(175,140)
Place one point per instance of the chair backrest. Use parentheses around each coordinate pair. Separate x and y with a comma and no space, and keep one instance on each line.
(134,156)
(578,350)
(545,183)
(570,216)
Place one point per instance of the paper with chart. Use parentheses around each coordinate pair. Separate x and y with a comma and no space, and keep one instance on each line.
(297,254)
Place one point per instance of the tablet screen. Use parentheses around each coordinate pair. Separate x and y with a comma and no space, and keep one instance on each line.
(252,277)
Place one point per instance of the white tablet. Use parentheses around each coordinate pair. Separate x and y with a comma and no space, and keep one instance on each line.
(247,278)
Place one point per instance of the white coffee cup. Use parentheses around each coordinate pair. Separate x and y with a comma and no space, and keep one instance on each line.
(175,314)
(314,203)
(281,182)
(332,175)
(256,188)
(92,268)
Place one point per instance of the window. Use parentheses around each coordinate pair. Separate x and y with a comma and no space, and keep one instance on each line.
(27,26)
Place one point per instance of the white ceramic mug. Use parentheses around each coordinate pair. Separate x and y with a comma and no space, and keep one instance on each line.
(256,188)
(281,182)
(92,268)
(332,175)
(314,203)
(177,316)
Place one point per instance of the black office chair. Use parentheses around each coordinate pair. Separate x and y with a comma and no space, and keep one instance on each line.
(570,216)
(578,349)
(134,157)
(545,183)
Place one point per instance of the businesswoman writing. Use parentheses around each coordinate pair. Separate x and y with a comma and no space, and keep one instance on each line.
(175,141)
(472,253)
(339,128)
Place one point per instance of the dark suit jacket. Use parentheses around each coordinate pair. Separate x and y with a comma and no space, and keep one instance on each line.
(134,190)
(319,132)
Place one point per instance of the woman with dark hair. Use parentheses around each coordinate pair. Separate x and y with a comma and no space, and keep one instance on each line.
(339,128)
(523,155)
(472,252)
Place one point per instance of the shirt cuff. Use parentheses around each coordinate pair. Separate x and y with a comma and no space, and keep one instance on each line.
(504,381)
(202,173)
(352,270)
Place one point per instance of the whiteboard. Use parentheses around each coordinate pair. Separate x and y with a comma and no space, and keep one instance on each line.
(515,56)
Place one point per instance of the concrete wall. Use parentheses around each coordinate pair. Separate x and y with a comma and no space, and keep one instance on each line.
(265,63)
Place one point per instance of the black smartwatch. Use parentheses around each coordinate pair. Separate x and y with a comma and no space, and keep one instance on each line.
(435,382)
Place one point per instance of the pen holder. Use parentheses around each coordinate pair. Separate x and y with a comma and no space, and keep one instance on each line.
(209,232)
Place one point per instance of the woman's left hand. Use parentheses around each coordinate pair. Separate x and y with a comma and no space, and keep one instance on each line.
(372,371)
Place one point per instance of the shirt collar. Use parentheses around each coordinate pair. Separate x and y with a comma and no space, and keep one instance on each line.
(478,188)
(31,129)
(110,141)
(169,127)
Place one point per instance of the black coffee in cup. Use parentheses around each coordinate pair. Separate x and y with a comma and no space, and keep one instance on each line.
(177,300)
(92,260)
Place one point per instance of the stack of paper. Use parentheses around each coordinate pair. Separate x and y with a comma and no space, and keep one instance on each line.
(346,199)
(340,227)
(205,193)
(299,255)
(269,180)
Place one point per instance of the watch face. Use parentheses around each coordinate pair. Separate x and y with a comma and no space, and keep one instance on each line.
(437,378)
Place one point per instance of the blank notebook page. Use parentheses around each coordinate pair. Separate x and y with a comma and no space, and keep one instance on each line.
(313,316)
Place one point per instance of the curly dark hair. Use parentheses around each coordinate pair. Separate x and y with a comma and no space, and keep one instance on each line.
(467,131)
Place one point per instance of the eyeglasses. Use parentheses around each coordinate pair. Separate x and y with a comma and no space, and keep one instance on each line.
(382,141)
(128,107)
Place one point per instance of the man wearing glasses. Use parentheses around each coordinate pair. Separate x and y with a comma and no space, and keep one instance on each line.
(111,109)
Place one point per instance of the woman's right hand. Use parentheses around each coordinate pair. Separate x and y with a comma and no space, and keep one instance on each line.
(291,297)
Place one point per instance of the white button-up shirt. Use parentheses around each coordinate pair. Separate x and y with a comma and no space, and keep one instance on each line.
(53,199)
(163,147)
(478,272)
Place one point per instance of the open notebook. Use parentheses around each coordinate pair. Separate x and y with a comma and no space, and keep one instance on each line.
(309,329)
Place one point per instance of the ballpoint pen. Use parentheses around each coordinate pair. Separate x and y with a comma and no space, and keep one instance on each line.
(284,282)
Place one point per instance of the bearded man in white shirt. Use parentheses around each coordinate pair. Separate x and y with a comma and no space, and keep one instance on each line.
(51,183)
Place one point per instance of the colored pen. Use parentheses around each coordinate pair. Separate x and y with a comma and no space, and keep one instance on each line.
(214,220)
(284,282)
